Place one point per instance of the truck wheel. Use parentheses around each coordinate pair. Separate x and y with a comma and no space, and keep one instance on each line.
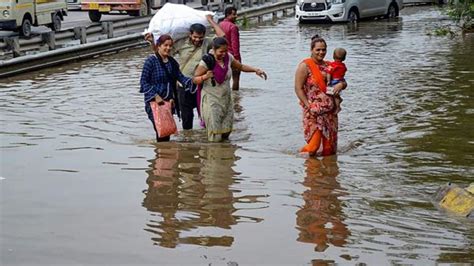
(25,28)
(144,10)
(56,23)
(94,15)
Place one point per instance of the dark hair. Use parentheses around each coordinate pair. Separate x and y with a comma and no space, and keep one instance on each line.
(218,42)
(229,10)
(197,28)
(339,54)
(163,38)
(315,39)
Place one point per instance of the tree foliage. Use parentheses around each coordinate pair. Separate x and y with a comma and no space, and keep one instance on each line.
(462,11)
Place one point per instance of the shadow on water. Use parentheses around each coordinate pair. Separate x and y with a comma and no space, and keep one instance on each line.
(320,220)
(190,195)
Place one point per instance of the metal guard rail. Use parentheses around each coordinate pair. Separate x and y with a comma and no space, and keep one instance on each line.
(62,55)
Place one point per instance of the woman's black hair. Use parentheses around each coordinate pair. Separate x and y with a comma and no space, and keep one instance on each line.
(163,38)
(210,61)
(315,39)
(218,42)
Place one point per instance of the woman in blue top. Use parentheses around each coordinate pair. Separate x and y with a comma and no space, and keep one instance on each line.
(159,76)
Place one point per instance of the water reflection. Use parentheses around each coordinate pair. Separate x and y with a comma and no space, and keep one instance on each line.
(321,220)
(381,29)
(189,191)
(406,128)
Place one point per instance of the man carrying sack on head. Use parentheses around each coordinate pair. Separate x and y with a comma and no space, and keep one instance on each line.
(186,27)
(189,52)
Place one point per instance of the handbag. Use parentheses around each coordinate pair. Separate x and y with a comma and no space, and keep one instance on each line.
(163,118)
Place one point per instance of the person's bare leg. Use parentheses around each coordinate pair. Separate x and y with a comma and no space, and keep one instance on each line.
(235,80)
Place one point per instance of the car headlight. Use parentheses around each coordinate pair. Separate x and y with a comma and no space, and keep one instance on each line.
(338,1)
(6,13)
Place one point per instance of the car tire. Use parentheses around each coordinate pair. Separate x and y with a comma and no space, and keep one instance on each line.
(353,16)
(25,28)
(392,11)
(56,23)
(94,15)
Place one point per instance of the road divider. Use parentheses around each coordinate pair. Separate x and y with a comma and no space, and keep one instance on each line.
(85,42)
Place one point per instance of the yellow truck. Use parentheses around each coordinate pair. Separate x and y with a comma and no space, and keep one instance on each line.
(21,15)
(136,8)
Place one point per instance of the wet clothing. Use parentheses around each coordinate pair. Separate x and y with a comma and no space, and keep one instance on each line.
(159,78)
(187,103)
(322,114)
(217,108)
(188,57)
(233,39)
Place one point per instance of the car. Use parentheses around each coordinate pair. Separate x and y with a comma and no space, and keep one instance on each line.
(345,10)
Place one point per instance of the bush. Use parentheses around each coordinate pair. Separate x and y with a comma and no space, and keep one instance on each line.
(462,12)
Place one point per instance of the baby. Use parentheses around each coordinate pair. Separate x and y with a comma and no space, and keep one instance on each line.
(337,69)
(336,72)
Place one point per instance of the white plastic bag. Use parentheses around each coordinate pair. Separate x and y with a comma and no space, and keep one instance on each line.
(175,20)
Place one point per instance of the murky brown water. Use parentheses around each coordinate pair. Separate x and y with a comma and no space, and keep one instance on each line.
(84,183)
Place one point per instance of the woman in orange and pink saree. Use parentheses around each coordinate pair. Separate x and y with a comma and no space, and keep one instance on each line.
(320,110)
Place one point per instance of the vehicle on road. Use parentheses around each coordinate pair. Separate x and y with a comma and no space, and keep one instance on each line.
(345,10)
(135,8)
(74,4)
(21,15)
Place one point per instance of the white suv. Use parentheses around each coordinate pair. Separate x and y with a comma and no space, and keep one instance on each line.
(346,10)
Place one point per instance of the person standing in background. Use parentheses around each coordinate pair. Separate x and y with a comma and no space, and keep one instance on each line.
(231,31)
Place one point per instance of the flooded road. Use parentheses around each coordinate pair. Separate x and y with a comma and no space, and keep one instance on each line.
(84,183)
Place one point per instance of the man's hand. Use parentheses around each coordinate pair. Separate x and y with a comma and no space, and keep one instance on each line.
(148,37)
(209,18)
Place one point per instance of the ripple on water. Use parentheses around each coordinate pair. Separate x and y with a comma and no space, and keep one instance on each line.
(405,129)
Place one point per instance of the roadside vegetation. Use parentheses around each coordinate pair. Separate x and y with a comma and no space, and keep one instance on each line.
(461,12)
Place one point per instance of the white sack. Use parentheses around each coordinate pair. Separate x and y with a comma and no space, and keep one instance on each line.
(175,20)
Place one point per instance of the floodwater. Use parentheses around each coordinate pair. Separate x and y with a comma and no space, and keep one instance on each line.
(83,182)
